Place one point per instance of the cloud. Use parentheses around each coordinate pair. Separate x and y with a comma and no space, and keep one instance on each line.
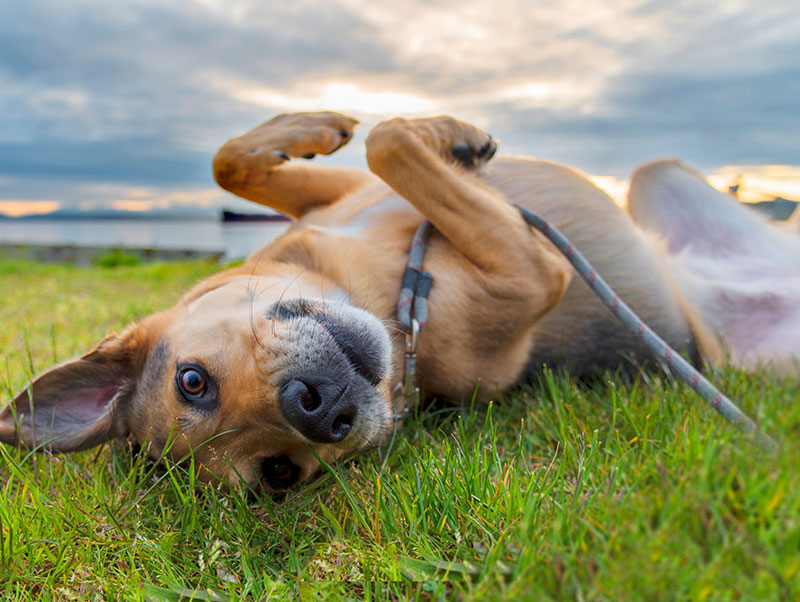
(139,93)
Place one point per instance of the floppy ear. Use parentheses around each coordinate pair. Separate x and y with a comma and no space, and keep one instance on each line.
(80,403)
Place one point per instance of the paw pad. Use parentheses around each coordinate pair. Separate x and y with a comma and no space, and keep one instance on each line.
(467,156)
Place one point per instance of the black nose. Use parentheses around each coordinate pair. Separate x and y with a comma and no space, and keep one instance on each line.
(318,407)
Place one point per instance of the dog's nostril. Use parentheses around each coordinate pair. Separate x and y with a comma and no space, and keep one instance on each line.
(341,426)
(309,400)
(296,393)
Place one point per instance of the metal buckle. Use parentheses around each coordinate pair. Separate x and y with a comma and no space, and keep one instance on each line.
(408,389)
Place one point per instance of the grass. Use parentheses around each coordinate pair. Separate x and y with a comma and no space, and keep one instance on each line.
(614,491)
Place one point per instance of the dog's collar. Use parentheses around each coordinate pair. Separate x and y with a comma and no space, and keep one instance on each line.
(412,313)
(413,301)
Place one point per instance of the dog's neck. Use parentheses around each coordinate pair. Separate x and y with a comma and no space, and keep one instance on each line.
(331,266)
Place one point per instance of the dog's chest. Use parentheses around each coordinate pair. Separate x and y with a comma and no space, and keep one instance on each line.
(359,215)
(360,243)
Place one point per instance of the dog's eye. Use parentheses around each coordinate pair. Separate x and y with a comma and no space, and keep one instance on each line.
(196,387)
(192,382)
(280,472)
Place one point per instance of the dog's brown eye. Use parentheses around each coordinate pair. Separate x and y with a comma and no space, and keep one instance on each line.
(195,387)
(280,472)
(192,382)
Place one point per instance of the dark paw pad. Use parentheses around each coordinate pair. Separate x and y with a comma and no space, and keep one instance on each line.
(344,136)
(468,157)
(464,154)
(488,150)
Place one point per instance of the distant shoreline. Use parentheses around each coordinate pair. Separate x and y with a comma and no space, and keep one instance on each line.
(232,216)
(106,215)
(89,254)
(204,234)
(777,209)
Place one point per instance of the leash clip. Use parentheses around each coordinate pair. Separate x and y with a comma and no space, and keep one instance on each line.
(410,388)
(407,388)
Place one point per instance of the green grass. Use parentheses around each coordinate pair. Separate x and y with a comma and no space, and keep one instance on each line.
(618,491)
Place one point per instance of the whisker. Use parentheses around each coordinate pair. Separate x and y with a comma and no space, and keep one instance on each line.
(289,285)
(250,290)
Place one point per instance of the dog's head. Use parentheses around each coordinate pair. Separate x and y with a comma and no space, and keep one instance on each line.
(252,377)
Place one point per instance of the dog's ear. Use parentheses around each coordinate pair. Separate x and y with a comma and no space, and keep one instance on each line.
(80,403)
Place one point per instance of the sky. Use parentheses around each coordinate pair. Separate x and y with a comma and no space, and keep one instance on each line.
(122,104)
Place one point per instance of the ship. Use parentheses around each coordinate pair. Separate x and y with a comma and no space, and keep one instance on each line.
(231,216)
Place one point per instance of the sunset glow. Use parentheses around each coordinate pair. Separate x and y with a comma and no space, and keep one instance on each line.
(19,208)
(759,182)
(338,96)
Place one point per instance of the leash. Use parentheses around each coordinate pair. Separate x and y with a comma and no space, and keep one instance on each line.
(412,311)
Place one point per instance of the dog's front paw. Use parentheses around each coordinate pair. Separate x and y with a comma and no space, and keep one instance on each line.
(292,135)
(450,138)
(304,134)
(276,141)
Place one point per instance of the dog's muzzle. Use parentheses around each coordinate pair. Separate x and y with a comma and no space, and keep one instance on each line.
(332,388)
(318,407)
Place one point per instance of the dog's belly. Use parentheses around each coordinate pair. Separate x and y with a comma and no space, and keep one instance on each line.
(580,332)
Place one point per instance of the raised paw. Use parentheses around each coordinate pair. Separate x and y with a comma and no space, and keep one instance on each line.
(450,138)
(302,134)
(279,139)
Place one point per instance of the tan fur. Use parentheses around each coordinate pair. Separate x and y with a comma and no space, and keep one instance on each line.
(504,300)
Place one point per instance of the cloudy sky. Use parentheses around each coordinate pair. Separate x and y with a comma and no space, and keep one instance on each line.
(122,104)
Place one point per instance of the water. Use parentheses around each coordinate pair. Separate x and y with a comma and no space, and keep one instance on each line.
(235,240)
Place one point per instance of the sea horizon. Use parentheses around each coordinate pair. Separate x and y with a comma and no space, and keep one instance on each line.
(206,234)
(199,213)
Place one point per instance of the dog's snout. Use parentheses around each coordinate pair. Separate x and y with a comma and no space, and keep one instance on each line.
(359,344)
(318,407)
(290,309)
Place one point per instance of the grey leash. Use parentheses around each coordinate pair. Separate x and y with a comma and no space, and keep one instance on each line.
(411,299)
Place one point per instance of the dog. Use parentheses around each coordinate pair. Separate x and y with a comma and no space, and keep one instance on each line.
(264,369)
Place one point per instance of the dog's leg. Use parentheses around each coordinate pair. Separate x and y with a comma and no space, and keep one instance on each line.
(257,167)
(738,271)
(428,162)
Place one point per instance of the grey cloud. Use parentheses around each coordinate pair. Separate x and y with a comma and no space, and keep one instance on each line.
(133,163)
(126,93)
(708,122)
(130,93)
(715,89)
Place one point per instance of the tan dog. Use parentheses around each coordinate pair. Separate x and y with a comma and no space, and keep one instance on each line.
(295,353)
